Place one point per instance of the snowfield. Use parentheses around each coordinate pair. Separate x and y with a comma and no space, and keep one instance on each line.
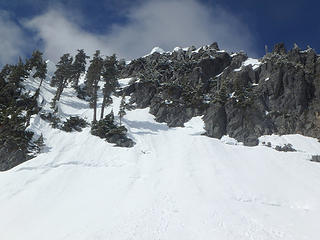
(173,184)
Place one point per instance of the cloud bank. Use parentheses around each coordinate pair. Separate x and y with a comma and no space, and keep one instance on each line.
(166,24)
(12,40)
(60,35)
(178,23)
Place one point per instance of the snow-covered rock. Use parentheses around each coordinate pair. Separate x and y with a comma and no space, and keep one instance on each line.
(158,50)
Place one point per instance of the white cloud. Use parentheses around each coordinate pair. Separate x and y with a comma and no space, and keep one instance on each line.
(12,40)
(153,23)
(179,23)
(60,35)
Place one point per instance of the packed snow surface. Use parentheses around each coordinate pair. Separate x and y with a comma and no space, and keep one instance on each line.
(173,184)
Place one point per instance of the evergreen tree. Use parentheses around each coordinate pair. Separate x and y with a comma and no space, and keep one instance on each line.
(6,89)
(14,104)
(92,80)
(36,61)
(243,94)
(61,76)
(17,75)
(222,93)
(78,67)
(109,73)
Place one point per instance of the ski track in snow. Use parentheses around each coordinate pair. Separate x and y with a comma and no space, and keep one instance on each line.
(173,184)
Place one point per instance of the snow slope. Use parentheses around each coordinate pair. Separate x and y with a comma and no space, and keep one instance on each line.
(173,184)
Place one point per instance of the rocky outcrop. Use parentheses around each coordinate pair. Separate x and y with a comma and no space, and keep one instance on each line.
(216,120)
(284,90)
(174,84)
(237,98)
(142,93)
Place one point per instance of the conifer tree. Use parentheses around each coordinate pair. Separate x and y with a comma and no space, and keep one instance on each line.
(78,67)
(61,76)
(109,73)
(17,76)
(243,94)
(36,61)
(92,80)
(13,105)
(222,94)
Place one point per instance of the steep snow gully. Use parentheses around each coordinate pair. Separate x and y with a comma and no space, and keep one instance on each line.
(173,184)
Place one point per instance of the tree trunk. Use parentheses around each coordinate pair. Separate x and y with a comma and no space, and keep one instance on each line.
(76,82)
(95,102)
(103,106)
(58,93)
(60,89)
(41,82)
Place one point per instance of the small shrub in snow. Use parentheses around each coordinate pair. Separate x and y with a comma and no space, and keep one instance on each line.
(71,124)
(55,121)
(82,93)
(286,148)
(108,130)
(74,123)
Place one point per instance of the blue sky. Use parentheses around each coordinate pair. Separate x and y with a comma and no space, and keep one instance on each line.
(131,28)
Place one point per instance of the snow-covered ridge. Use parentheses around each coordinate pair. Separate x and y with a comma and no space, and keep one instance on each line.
(255,64)
(158,50)
(174,183)
(178,49)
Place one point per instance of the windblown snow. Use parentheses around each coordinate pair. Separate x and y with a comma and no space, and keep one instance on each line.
(173,184)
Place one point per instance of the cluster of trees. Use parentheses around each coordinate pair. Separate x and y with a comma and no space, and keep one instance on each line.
(17,106)
(68,72)
(100,69)
(107,129)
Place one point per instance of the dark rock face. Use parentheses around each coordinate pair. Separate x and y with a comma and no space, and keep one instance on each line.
(279,49)
(245,122)
(292,92)
(142,93)
(216,120)
(174,85)
(285,97)
(174,114)
(280,96)
(213,66)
